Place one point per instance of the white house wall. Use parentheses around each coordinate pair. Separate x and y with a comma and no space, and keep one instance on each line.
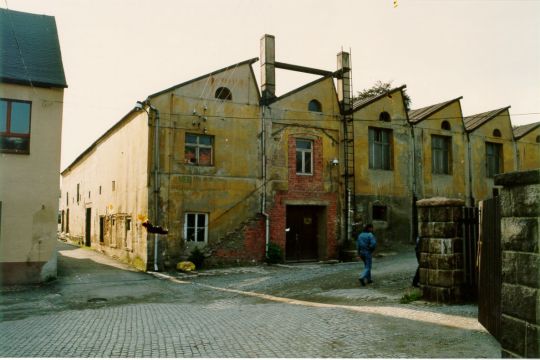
(29,189)
(120,157)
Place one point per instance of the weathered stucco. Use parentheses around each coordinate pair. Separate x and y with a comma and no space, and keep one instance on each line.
(120,156)
(528,148)
(482,185)
(29,187)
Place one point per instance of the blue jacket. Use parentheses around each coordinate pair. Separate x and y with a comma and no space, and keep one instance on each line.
(366,242)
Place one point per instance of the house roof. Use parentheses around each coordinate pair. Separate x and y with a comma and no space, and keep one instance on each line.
(30,50)
(358,104)
(473,122)
(417,115)
(294,91)
(248,62)
(521,131)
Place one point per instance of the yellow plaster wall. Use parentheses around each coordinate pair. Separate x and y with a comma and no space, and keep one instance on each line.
(482,186)
(453,185)
(227,191)
(529,150)
(29,184)
(395,182)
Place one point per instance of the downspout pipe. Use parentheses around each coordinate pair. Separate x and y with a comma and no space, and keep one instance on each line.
(142,105)
(264,176)
(156,181)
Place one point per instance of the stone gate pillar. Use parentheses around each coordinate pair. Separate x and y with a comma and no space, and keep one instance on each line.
(520,243)
(442,276)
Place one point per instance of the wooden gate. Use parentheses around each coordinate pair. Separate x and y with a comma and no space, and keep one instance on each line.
(470,224)
(489,263)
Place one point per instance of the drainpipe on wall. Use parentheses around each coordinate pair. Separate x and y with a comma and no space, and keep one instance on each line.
(263,212)
(142,106)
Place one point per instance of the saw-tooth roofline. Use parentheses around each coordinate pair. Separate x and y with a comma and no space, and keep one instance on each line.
(303,87)
(417,115)
(172,88)
(359,104)
(522,130)
(473,122)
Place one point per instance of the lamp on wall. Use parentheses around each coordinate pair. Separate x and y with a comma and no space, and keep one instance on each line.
(334,162)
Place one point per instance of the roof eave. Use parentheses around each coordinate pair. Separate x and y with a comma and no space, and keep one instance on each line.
(378,97)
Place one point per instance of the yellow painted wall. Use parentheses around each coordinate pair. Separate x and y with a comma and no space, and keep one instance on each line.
(482,186)
(29,184)
(227,191)
(452,185)
(529,150)
(290,117)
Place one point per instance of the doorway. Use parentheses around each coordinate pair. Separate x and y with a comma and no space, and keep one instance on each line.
(88,232)
(306,229)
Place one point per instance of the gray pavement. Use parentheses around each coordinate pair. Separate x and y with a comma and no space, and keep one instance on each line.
(100,308)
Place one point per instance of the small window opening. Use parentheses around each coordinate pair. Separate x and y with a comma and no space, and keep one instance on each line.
(445,125)
(384,116)
(99,189)
(315,106)
(128,224)
(223,93)
(497,133)
(380,212)
(101,228)
(113,185)
(538,139)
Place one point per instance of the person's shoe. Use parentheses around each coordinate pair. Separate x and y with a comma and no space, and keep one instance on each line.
(370,281)
(362,282)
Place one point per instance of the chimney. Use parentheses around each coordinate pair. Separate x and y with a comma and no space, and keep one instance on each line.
(268,69)
(344,81)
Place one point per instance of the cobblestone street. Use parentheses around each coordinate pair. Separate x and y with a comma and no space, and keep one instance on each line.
(99,308)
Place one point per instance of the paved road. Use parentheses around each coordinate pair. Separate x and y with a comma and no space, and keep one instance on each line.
(99,308)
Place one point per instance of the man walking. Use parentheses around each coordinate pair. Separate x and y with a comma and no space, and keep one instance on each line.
(366,244)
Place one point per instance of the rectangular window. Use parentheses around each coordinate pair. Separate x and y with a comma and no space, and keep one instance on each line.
(441,154)
(493,159)
(199,150)
(99,189)
(196,227)
(380,149)
(15,126)
(67,199)
(304,157)
(380,212)
(78,194)
(113,185)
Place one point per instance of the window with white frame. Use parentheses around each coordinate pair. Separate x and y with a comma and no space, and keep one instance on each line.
(199,149)
(196,227)
(304,157)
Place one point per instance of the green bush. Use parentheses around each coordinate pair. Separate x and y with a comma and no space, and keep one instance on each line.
(411,296)
(197,257)
(274,255)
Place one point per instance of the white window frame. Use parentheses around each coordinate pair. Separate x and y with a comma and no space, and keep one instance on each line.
(197,226)
(303,153)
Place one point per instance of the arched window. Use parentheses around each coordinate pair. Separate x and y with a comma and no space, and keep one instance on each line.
(223,93)
(445,125)
(497,133)
(314,105)
(384,116)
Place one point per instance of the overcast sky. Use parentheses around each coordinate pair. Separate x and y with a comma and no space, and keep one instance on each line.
(116,52)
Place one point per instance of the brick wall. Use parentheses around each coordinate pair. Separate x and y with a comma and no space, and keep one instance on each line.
(520,242)
(441,249)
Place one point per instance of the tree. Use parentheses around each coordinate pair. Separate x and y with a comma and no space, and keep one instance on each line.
(380,88)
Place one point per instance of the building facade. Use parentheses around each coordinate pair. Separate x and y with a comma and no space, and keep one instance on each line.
(527,139)
(31,105)
(232,168)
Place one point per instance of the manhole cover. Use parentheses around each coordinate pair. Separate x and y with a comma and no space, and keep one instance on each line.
(97,300)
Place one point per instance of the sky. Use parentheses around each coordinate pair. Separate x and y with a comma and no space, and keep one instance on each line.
(116,52)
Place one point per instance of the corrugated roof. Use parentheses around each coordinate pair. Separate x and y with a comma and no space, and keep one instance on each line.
(30,50)
(475,121)
(415,116)
(249,62)
(358,104)
(521,131)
